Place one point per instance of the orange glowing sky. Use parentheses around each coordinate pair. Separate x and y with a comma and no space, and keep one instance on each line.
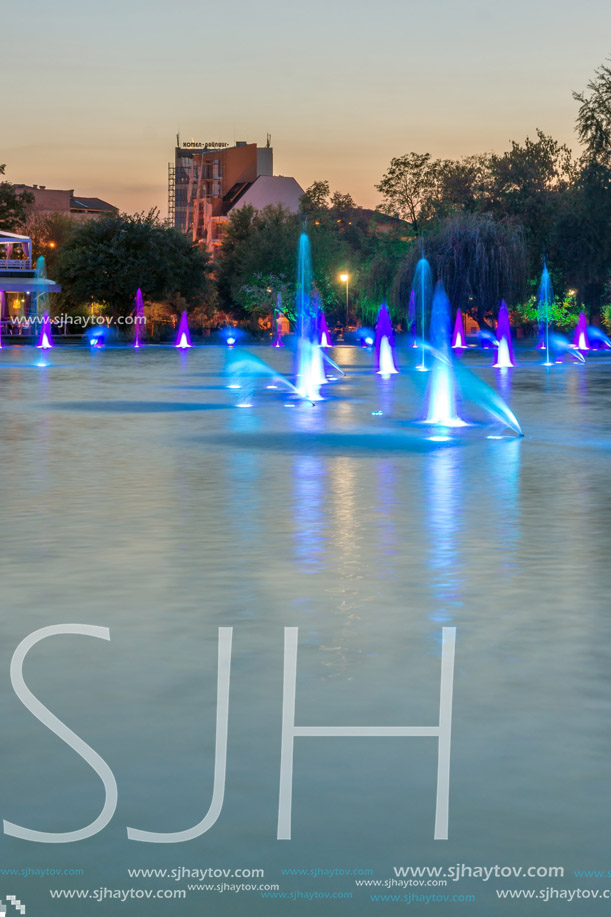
(97,92)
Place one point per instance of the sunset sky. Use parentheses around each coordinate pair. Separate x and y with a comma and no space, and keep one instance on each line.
(94,94)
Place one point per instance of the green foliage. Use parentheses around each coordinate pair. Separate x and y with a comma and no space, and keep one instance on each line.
(267,292)
(479,258)
(108,260)
(563,311)
(14,205)
(594,117)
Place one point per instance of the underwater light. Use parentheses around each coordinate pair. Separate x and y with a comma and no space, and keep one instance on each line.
(230,342)
(377,413)
(369,341)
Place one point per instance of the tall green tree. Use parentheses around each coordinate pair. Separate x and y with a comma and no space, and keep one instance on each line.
(410,186)
(107,261)
(594,117)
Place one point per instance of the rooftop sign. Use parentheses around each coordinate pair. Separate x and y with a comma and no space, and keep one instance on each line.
(204,145)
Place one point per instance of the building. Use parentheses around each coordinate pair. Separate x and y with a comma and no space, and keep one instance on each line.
(24,286)
(209,180)
(49,200)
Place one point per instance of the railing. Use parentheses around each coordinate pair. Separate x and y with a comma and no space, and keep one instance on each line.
(13,264)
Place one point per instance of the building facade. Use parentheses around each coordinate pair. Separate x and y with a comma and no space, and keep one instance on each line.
(51,200)
(208,180)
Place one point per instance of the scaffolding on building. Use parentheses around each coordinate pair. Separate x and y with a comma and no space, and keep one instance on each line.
(172,194)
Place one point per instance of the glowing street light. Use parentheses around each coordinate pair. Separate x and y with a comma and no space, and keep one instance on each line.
(345,278)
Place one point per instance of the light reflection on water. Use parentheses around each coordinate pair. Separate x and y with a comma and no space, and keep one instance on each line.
(163,524)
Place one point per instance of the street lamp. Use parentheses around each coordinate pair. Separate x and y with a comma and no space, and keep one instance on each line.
(345,278)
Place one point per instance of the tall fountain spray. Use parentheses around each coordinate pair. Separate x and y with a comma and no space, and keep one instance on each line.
(45,339)
(441,409)
(138,317)
(384,347)
(580,340)
(504,354)
(423,294)
(310,372)
(459,341)
(545,299)
(42,299)
(183,337)
(411,320)
(277,342)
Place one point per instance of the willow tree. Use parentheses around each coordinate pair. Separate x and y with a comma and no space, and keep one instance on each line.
(480,260)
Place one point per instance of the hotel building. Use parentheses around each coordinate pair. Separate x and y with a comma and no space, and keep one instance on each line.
(209,180)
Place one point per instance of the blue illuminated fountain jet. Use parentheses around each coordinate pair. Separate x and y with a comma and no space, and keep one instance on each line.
(423,295)
(42,299)
(545,299)
(441,409)
(310,371)
(449,377)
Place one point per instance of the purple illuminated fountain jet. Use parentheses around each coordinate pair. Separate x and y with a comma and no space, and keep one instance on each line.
(277,342)
(138,317)
(323,330)
(504,353)
(459,341)
(384,346)
(45,340)
(183,337)
(580,340)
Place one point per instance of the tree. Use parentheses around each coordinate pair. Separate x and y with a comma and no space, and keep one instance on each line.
(315,199)
(594,117)
(255,244)
(107,261)
(480,259)
(14,204)
(410,186)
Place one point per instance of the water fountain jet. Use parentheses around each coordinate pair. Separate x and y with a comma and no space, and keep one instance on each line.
(441,409)
(45,340)
(459,341)
(504,356)
(183,337)
(423,296)
(384,344)
(545,299)
(138,317)
(580,338)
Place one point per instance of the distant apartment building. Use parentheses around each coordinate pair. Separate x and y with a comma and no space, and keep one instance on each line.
(207,181)
(50,200)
